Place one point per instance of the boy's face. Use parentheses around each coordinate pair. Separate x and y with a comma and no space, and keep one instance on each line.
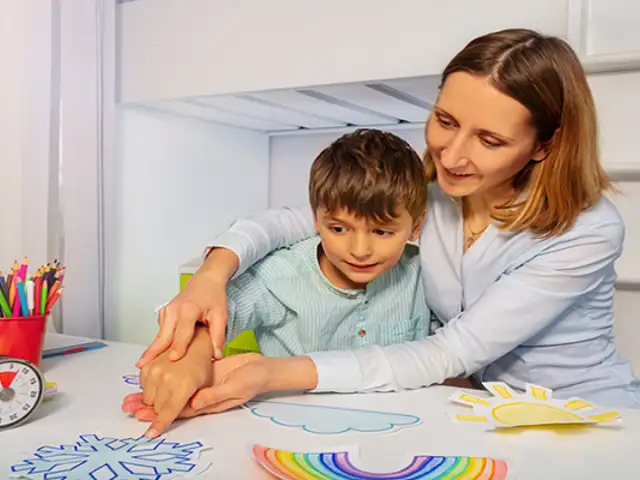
(357,250)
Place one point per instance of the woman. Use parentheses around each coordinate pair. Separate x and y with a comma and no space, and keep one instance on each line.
(518,246)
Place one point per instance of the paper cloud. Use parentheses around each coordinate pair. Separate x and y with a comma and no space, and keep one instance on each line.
(323,419)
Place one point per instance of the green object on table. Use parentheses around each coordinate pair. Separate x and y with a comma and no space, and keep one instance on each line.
(245,342)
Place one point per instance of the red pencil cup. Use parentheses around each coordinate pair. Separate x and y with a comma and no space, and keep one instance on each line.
(23,337)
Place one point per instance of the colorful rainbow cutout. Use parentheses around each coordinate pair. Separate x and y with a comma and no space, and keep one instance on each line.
(338,465)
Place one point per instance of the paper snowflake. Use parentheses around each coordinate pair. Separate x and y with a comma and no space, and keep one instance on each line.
(107,458)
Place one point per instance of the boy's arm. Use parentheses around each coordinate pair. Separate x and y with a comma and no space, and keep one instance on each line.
(251,304)
(201,345)
(423,324)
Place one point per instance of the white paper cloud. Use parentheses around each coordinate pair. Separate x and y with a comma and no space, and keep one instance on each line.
(329,420)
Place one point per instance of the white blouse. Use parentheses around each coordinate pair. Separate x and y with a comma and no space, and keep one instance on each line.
(514,308)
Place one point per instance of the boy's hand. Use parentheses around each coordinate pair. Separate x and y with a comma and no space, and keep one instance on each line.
(244,371)
(168,385)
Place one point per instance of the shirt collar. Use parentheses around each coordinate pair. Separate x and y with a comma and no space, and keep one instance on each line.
(311,255)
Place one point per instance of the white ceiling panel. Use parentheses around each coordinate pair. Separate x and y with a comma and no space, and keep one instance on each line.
(204,112)
(424,89)
(269,111)
(377,100)
(383,104)
(306,101)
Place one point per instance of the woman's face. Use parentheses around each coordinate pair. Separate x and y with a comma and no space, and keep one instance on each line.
(479,138)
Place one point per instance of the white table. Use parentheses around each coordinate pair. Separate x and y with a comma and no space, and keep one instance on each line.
(91,389)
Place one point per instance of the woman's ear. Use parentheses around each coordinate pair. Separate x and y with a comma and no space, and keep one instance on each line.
(541,153)
(543,149)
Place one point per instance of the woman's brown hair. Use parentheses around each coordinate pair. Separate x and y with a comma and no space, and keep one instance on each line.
(544,74)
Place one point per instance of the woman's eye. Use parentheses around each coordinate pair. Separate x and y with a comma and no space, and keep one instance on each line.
(444,122)
(490,143)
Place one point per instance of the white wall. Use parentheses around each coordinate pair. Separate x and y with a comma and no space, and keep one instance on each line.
(291,157)
(25,131)
(176,183)
(618,103)
(246,45)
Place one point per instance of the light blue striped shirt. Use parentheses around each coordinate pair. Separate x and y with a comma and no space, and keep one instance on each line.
(514,307)
(293,309)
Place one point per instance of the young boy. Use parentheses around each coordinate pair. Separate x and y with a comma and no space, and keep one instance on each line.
(356,284)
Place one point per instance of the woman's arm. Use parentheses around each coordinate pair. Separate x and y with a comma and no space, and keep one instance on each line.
(232,252)
(516,307)
(253,237)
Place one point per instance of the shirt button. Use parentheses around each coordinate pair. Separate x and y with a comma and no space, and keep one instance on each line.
(361,333)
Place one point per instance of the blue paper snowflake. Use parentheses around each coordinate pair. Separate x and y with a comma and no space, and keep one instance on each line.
(106,458)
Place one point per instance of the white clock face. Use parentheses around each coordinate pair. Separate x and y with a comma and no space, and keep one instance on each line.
(21,390)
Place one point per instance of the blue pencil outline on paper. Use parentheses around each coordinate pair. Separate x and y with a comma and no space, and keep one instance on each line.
(95,455)
(390,420)
(131,379)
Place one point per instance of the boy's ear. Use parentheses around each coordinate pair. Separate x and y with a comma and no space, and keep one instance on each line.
(417,227)
(315,223)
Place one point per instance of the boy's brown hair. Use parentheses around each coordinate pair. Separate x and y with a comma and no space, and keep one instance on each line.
(370,173)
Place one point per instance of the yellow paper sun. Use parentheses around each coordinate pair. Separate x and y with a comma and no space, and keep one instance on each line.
(535,406)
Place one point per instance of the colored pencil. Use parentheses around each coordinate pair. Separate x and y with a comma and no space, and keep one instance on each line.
(52,300)
(80,347)
(30,300)
(3,287)
(23,268)
(43,296)
(53,289)
(23,295)
(12,288)
(4,305)
(24,306)
(54,271)
(16,300)
(46,275)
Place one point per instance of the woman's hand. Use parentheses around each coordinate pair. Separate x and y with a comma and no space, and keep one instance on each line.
(204,299)
(236,384)
(236,380)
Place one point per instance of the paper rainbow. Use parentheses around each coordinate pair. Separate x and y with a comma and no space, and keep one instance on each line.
(338,465)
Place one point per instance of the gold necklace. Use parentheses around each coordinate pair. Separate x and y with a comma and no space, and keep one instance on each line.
(473,237)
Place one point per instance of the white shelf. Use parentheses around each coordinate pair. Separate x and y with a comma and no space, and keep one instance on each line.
(382,104)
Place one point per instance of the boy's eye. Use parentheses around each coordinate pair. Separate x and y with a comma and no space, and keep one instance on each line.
(383,232)
(336,229)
